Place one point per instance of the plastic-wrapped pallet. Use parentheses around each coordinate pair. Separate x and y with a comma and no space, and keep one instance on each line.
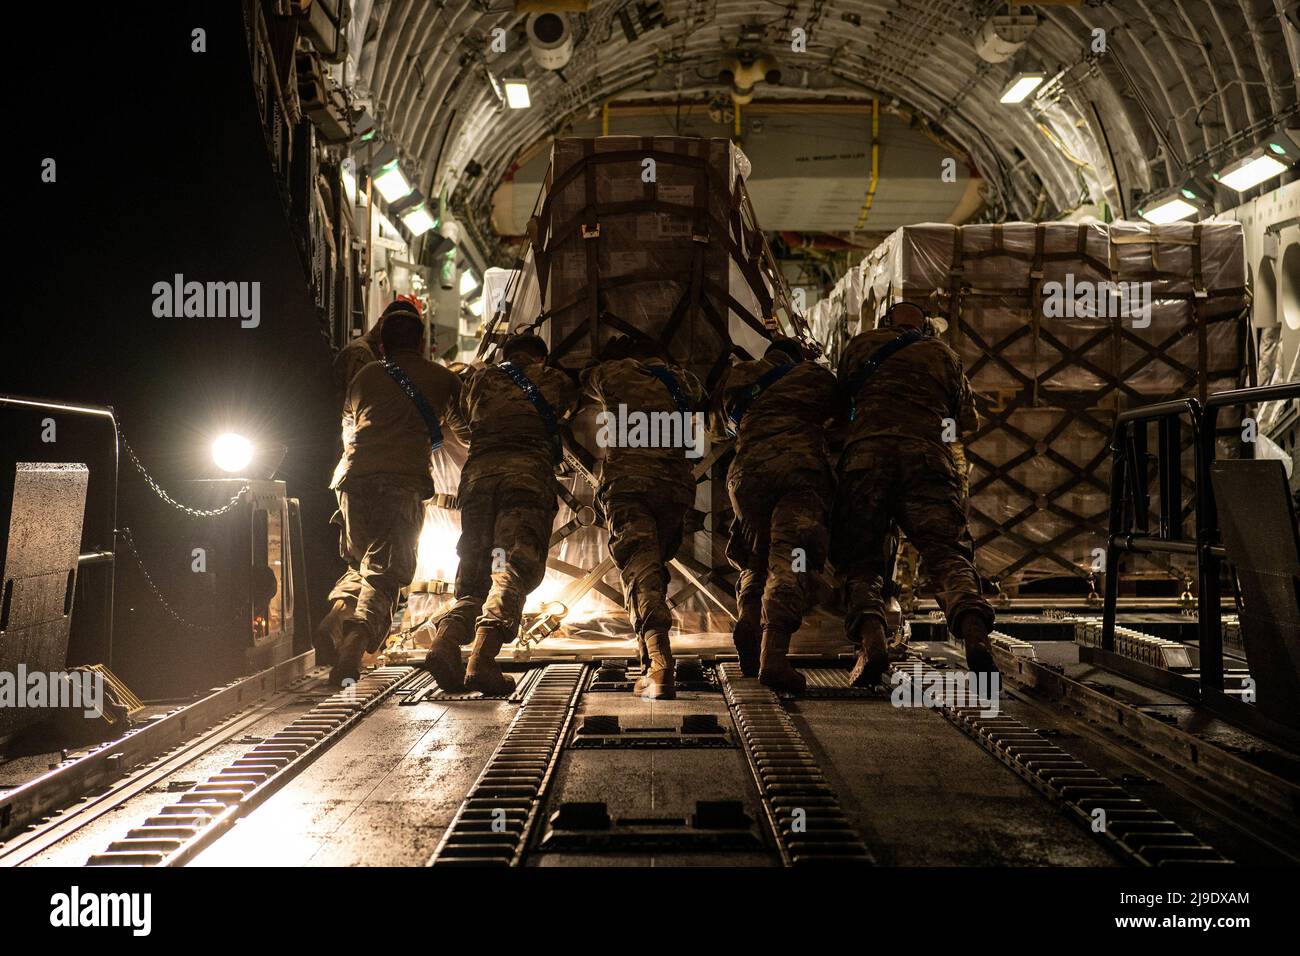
(652,234)
(1034,310)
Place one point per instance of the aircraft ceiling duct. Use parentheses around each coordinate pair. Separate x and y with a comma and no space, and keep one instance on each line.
(744,70)
(1001,36)
(550,37)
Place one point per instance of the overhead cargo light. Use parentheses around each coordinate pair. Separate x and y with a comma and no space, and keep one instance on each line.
(392,182)
(1188,199)
(1173,208)
(468,282)
(418,219)
(1018,90)
(1250,171)
(517,93)
(1274,155)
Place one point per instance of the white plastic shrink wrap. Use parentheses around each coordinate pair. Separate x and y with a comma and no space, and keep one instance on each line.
(1053,350)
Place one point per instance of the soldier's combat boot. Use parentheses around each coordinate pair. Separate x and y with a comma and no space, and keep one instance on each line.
(873,657)
(656,682)
(443,660)
(774,669)
(330,630)
(747,636)
(974,632)
(484,673)
(351,648)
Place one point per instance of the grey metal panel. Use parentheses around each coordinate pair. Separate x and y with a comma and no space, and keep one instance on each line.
(1259,534)
(40,568)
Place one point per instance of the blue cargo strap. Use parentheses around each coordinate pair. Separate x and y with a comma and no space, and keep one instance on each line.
(873,362)
(736,411)
(421,403)
(534,395)
(670,383)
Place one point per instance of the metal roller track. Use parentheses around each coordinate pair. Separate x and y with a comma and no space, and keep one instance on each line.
(107,763)
(95,805)
(803,813)
(1233,781)
(179,831)
(1139,833)
(493,824)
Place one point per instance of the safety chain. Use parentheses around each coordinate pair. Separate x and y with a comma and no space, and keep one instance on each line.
(166,606)
(158,490)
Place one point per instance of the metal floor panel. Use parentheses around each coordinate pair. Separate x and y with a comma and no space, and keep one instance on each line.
(382,797)
(641,783)
(923,794)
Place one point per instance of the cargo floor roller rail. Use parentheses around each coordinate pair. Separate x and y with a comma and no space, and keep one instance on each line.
(577,771)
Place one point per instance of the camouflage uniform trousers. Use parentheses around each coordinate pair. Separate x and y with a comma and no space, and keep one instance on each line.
(645,533)
(914,484)
(778,543)
(505,534)
(382,516)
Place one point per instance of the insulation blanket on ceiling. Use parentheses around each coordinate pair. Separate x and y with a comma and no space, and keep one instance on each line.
(1053,352)
(649,233)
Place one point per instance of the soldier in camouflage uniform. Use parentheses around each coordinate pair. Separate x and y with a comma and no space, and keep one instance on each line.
(507,500)
(381,481)
(780,485)
(645,492)
(897,467)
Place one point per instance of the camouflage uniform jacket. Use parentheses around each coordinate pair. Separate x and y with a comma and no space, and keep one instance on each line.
(785,426)
(908,396)
(505,432)
(627,382)
(352,358)
(383,431)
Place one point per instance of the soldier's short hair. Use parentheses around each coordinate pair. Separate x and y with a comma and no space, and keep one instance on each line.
(401,307)
(789,346)
(887,321)
(525,342)
(401,330)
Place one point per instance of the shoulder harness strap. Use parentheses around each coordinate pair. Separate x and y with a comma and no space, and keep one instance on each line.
(736,411)
(534,395)
(670,383)
(873,362)
(421,403)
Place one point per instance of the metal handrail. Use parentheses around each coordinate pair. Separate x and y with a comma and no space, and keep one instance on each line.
(1128,473)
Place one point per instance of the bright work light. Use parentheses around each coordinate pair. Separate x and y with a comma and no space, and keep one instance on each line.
(1018,90)
(517,94)
(418,220)
(1251,171)
(231,452)
(392,182)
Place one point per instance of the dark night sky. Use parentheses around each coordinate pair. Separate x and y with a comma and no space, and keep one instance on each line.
(161,170)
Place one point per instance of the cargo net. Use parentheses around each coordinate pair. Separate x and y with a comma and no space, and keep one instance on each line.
(1059,326)
(651,237)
